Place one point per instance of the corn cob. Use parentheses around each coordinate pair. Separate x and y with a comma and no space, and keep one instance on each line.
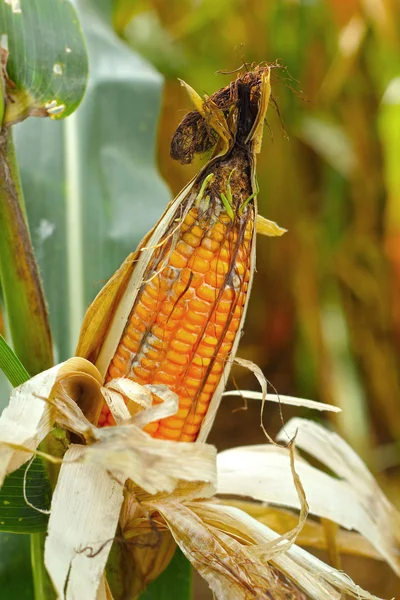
(187,312)
(186,317)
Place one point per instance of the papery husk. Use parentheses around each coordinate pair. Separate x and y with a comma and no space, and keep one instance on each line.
(340,501)
(313,533)
(238,556)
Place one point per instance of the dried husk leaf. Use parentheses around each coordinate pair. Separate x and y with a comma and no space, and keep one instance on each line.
(339,501)
(290,400)
(268,228)
(223,562)
(25,421)
(332,451)
(84,516)
(317,579)
(312,535)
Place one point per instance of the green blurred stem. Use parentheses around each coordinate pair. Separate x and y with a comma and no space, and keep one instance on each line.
(19,274)
(25,305)
(41,582)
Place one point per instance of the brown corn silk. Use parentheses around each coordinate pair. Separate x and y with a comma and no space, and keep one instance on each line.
(185,319)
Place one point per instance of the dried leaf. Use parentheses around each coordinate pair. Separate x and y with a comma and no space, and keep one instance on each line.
(84,516)
(376,517)
(268,228)
(291,400)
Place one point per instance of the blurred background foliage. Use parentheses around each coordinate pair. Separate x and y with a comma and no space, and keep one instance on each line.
(324,317)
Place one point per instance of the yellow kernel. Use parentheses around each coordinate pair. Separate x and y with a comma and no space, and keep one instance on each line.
(180,346)
(239,268)
(212,379)
(209,387)
(173,369)
(210,340)
(142,373)
(143,312)
(123,352)
(149,364)
(219,266)
(214,279)
(182,413)
(136,324)
(176,357)
(200,360)
(172,423)
(225,306)
(162,377)
(197,231)
(195,317)
(184,249)
(194,419)
(182,290)
(114,372)
(204,350)
(191,278)
(230,336)
(131,344)
(190,217)
(190,429)
(185,402)
(214,330)
(228,294)
(199,264)
(205,254)
(154,355)
(199,305)
(172,310)
(155,293)
(188,438)
(192,383)
(149,302)
(177,260)
(191,239)
(209,244)
(205,292)
(119,363)
(184,336)
(224,254)
(217,236)
(167,433)
(194,327)
(217,367)
(219,228)
(167,321)
(161,333)
(197,372)
(151,427)
(221,317)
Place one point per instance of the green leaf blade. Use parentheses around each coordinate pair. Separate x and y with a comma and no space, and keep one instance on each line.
(47,59)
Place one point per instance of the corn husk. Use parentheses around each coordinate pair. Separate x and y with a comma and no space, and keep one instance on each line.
(232,550)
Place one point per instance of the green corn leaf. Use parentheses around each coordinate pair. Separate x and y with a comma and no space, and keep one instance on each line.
(47,61)
(15,515)
(11,366)
(91,183)
(15,567)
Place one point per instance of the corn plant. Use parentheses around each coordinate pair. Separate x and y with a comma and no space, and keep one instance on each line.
(112,509)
